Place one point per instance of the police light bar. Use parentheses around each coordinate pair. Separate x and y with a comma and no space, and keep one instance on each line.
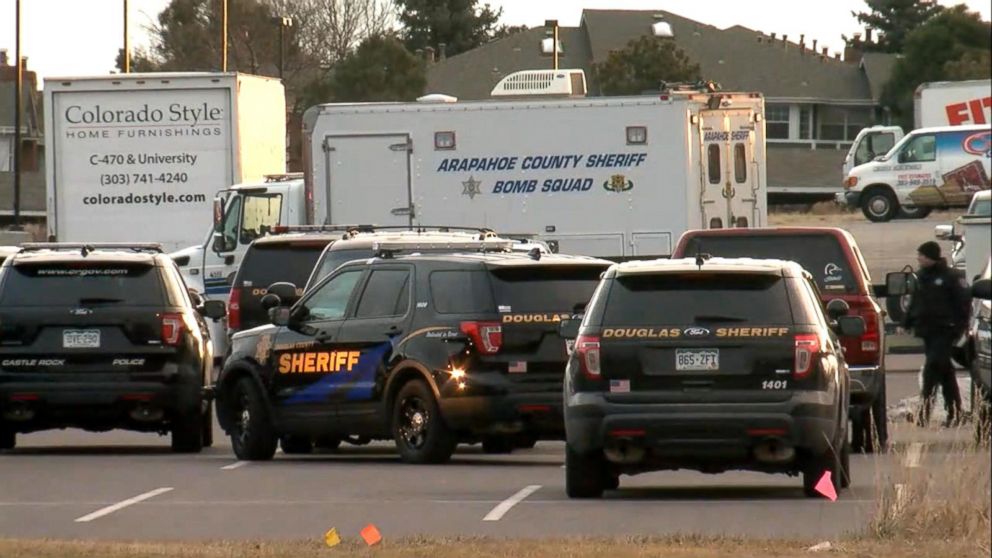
(285,229)
(491,245)
(86,247)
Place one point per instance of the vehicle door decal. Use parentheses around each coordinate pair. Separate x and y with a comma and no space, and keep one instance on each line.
(343,370)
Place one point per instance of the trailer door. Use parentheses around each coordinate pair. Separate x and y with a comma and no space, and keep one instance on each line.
(730,177)
(368,179)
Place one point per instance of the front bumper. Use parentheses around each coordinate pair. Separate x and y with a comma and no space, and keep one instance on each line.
(850,198)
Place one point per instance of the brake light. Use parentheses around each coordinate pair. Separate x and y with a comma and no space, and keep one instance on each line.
(234,309)
(486,336)
(807,348)
(172,328)
(587,348)
(870,341)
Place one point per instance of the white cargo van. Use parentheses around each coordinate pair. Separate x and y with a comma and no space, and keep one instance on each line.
(929,168)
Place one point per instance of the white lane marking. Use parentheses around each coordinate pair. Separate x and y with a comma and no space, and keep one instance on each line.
(913,455)
(233,466)
(500,510)
(123,504)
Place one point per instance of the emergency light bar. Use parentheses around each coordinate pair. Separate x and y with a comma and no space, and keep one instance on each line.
(492,245)
(87,247)
(284,229)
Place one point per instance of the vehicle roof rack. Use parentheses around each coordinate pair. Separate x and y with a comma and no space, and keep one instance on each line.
(87,247)
(386,248)
(483,232)
(287,229)
(283,177)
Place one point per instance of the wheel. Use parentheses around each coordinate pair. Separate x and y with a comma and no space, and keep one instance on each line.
(817,466)
(612,481)
(896,307)
(880,205)
(585,475)
(8,438)
(187,433)
(917,212)
(526,441)
(327,443)
(845,466)
(418,428)
(860,430)
(296,445)
(498,444)
(252,437)
(208,427)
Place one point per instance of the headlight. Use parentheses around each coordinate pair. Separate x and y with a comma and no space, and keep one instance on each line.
(850,182)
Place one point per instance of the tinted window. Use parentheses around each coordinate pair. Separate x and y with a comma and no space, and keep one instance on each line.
(267,264)
(76,284)
(740,163)
(330,300)
(694,298)
(385,294)
(461,292)
(543,289)
(334,259)
(713,156)
(821,255)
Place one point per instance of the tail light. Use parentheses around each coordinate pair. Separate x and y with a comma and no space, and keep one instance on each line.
(587,348)
(172,328)
(234,309)
(807,349)
(486,336)
(871,340)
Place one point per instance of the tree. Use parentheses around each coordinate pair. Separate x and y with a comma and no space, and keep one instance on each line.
(460,25)
(329,30)
(954,44)
(380,69)
(642,65)
(506,30)
(893,20)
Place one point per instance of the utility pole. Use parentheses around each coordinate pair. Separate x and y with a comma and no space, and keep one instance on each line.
(17,113)
(283,22)
(223,38)
(553,25)
(127,44)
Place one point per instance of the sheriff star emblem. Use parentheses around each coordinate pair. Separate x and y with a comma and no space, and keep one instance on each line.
(471,187)
(263,348)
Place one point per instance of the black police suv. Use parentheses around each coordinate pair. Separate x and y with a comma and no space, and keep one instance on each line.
(711,365)
(429,350)
(101,336)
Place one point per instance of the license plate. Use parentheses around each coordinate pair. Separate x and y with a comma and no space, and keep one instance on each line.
(697,359)
(81,339)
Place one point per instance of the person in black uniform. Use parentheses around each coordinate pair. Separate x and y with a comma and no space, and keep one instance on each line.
(938,313)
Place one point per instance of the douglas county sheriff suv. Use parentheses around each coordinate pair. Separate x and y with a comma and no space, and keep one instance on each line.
(101,337)
(428,350)
(711,365)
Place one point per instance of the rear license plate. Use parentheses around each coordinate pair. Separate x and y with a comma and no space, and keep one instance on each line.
(81,339)
(697,359)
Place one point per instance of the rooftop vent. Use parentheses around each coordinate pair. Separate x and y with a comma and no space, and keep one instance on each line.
(662,29)
(557,83)
(437,98)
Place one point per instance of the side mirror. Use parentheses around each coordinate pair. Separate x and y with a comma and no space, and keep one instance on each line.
(569,329)
(898,283)
(943,232)
(837,308)
(270,301)
(280,316)
(286,292)
(851,326)
(214,309)
(902,157)
(982,289)
(219,244)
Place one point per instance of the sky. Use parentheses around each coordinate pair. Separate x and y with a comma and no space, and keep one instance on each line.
(81,37)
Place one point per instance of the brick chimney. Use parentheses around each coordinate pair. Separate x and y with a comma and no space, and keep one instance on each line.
(854,50)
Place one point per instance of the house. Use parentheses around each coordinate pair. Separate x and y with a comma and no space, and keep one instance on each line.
(815,104)
(32,143)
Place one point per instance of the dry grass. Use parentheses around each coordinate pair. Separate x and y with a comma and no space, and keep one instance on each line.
(829,213)
(634,547)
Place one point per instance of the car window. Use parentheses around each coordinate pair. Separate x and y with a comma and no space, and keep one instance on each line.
(821,255)
(266,263)
(385,294)
(461,292)
(330,300)
(981,208)
(334,259)
(261,214)
(229,226)
(920,149)
(698,298)
(89,283)
(807,308)
(544,288)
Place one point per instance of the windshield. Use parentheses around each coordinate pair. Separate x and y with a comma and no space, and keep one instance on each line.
(551,288)
(981,208)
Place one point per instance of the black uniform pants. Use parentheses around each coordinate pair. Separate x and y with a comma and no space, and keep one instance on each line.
(939,370)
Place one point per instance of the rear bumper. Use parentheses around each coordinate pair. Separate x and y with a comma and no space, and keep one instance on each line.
(867,383)
(491,403)
(700,435)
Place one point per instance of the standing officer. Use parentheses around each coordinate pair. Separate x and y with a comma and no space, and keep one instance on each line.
(938,314)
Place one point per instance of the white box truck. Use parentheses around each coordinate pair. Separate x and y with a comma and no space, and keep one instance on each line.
(618,177)
(139,157)
(935,104)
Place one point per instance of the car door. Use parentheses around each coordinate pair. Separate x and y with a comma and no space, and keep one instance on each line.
(380,319)
(309,365)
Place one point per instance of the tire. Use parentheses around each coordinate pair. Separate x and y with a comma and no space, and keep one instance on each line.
(327,443)
(585,475)
(8,438)
(296,445)
(914,212)
(845,466)
(879,205)
(252,436)
(419,429)
(861,431)
(208,427)
(498,444)
(896,307)
(817,466)
(612,482)
(187,433)
(526,441)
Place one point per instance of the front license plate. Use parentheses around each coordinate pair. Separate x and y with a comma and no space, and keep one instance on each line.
(697,359)
(81,339)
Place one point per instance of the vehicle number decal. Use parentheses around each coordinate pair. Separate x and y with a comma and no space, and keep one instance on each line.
(774,384)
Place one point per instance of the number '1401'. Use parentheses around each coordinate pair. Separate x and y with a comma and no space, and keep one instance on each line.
(774,384)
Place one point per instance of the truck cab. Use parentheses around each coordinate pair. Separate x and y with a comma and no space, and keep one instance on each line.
(871,143)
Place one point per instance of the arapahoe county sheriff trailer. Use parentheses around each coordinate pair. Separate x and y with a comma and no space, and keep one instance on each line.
(616,177)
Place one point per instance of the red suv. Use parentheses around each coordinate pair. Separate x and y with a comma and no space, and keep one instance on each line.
(832,256)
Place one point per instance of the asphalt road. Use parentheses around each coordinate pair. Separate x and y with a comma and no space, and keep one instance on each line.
(118,485)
